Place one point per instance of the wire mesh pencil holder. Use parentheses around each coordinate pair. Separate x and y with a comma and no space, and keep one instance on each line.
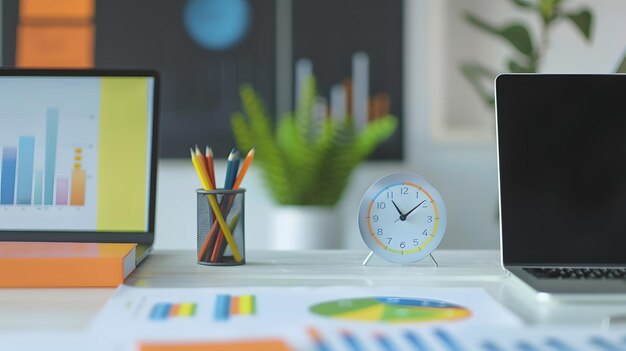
(217,247)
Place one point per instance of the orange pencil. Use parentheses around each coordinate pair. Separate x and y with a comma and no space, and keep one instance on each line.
(209,159)
(244,168)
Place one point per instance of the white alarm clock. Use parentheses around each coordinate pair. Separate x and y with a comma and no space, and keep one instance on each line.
(402,218)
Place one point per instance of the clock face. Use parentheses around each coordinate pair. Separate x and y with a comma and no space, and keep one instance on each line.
(402,218)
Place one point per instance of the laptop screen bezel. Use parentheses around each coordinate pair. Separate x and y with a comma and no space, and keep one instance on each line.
(141,237)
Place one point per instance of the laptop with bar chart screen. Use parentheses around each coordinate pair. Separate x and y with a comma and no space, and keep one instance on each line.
(78,155)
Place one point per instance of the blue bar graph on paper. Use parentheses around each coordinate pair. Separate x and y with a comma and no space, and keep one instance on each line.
(322,345)
(38,196)
(524,346)
(7,178)
(415,341)
(491,346)
(558,345)
(604,344)
(25,166)
(351,341)
(222,307)
(52,131)
(385,343)
(448,341)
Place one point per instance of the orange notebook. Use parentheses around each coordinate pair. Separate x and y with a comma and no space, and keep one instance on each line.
(249,345)
(55,265)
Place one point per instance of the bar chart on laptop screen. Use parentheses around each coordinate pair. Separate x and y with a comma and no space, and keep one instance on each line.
(49,151)
(24,183)
(74,153)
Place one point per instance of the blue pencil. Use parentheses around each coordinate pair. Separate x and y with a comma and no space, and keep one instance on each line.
(231,169)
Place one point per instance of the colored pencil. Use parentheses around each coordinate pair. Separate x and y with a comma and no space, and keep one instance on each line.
(231,172)
(244,168)
(209,159)
(216,232)
(216,210)
(201,160)
(231,169)
(201,175)
(219,248)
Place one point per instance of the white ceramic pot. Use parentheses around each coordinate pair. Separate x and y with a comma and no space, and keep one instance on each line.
(305,228)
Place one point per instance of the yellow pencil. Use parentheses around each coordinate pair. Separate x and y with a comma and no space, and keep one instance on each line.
(244,168)
(203,180)
(216,210)
(200,160)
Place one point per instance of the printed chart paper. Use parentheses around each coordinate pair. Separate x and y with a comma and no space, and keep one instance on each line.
(233,312)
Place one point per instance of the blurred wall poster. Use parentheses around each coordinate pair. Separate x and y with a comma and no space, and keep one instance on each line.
(205,49)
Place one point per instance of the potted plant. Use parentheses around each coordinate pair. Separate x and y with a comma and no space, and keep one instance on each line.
(306,161)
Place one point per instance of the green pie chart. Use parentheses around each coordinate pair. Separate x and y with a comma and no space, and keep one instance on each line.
(394,310)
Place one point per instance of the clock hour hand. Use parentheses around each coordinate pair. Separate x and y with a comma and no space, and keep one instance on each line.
(396,206)
(404,216)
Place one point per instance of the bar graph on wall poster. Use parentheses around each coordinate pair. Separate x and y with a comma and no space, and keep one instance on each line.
(28,179)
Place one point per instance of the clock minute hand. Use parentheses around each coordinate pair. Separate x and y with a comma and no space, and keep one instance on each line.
(413,209)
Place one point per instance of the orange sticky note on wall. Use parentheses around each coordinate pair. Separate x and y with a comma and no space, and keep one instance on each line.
(55,46)
(56,9)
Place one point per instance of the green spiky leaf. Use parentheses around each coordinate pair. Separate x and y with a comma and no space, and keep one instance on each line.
(516,67)
(524,4)
(622,67)
(516,34)
(481,79)
(582,20)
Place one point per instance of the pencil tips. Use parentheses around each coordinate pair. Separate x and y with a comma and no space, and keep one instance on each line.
(234,155)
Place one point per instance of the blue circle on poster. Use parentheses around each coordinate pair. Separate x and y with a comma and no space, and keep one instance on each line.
(217,24)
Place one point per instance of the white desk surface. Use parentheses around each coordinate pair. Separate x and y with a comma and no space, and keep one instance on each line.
(72,309)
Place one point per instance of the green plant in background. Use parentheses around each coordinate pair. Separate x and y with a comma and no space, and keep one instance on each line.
(306,160)
(622,67)
(528,52)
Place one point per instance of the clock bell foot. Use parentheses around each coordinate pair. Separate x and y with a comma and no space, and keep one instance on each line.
(367,259)
(433,259)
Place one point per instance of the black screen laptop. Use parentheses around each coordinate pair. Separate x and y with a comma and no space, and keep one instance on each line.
(562,171)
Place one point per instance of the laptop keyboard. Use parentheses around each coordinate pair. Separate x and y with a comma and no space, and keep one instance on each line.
(578,273)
